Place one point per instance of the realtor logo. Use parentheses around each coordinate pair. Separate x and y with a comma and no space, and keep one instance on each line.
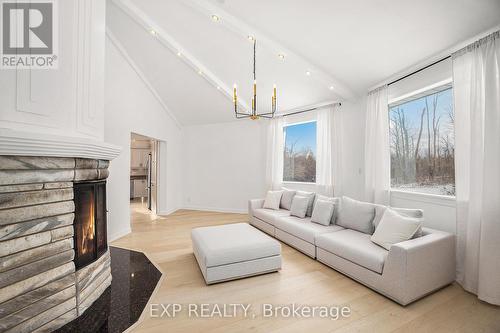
(29,34)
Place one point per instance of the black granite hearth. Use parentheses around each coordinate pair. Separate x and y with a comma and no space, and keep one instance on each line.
(134,280)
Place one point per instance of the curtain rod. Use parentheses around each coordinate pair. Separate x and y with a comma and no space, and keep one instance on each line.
(419,70)
(308,110)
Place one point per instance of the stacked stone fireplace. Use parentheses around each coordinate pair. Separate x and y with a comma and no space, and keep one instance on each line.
(54,257)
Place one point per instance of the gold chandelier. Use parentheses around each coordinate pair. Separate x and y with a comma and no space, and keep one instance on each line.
(254,115)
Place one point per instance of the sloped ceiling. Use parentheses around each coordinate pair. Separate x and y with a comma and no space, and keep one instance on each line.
(192,61)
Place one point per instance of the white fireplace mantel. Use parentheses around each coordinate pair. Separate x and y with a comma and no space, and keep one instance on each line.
(40,144)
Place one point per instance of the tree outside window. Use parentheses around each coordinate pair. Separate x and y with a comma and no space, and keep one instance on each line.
(299,156)
(422,144)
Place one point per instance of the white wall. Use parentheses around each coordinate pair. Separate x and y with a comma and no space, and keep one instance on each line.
(224,165)
(439,211)
(131,107)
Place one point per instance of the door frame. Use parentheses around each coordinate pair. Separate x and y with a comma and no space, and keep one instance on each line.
(158,148)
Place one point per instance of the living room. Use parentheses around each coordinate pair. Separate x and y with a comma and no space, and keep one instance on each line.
(329,166)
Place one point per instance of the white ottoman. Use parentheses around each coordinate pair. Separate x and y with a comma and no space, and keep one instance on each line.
(234,251)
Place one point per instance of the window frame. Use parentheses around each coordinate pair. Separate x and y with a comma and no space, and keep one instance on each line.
(406,98)
(298,122)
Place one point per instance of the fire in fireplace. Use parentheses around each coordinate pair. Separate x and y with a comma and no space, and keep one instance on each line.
(90,222)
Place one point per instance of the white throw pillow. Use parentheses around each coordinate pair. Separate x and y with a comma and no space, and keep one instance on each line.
(336,204)
(286,198)
(356,215)
(323,212)
(310,204)
(299,206)
(394,228)
(273,199)
(407,212)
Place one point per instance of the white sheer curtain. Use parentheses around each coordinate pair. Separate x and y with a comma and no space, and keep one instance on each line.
(377,154)
(476,83)
(329,151)
(274,160)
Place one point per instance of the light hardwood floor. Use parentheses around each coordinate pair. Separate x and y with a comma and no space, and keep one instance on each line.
(302,280)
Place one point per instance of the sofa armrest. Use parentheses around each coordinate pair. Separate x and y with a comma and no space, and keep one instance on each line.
(254,204)
(425,263)
(430,238)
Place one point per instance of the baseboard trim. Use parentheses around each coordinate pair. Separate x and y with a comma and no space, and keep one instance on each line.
(117,235)
(217,209)
(167,212)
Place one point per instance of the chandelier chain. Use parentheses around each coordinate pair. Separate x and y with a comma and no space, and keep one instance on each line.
(254,60)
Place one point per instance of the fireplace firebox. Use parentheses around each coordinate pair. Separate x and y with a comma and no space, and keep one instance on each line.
(90,222)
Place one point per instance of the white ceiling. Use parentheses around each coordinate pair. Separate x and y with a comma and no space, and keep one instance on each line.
(350,45)
(362,42)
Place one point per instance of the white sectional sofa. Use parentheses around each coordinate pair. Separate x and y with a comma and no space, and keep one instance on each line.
(297,232)
(408,271)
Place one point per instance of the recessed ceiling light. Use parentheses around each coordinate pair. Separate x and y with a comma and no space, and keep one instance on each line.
(281,56)
(251,38)
(218,88)
(179,54)
(215,18)
(200,72)
(308,73)
(331,88)
(153,32)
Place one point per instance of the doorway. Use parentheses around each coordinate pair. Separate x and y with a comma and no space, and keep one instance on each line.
(144,152)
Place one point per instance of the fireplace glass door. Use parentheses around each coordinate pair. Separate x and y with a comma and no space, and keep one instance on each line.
(90,222)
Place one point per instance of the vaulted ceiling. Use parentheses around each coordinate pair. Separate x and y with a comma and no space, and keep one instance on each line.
(333,49)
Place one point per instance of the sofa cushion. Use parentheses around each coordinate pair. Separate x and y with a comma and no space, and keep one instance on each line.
(356,215)
(323,212)
(269,215)
(299,206)
(395,228)
(273,199)
(303,228)
(311,196)
(354,246)
(286,198)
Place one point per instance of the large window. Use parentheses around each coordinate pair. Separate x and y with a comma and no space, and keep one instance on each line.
(422,144)
(299,156)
